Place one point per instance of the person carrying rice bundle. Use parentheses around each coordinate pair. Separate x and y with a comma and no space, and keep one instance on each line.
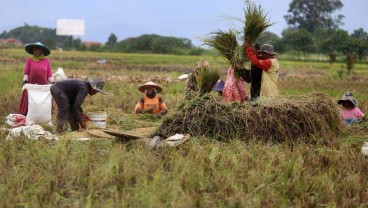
(234,89)
(227,45)
(270,66)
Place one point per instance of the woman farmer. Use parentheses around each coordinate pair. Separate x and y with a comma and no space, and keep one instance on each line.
(151,102)
(37,70)
(234,89)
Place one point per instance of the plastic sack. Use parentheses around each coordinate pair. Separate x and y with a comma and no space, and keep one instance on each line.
(15,120)
(39,103)
(59,75)
(33,132)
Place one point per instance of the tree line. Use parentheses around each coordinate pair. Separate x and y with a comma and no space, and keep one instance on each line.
(313,27)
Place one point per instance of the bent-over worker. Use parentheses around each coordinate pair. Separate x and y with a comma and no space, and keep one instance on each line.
(69,96)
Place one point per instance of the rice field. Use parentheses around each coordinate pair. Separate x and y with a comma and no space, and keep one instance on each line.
(203,172)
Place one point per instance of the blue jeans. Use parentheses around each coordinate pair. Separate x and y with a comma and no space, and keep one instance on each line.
(349,121)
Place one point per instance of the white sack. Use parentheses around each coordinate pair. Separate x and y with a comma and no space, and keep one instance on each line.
(39,103)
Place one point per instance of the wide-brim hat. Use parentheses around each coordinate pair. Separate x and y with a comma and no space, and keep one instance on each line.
(348,97)
(267,48)
(219,86)
(29,48)
(97,84)
(142,88)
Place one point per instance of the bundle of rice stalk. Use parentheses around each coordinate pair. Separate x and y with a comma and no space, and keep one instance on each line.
(206,79)
(256,23)
(284,118)
(201,116)
(227,45)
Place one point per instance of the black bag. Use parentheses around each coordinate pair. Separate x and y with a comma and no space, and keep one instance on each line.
(245,75)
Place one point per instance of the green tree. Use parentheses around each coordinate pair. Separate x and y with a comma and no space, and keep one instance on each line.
(31,34)
(312,14)
(337,40)
(299,40)
(269,37)
(156,44)
(111,42)
(360,37)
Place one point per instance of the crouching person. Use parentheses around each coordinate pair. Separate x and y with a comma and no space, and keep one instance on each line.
(151,102)
(69,96)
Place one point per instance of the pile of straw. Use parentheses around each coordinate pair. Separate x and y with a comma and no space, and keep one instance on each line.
(279,118)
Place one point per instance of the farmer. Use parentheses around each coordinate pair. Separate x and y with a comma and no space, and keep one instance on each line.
(349,110)
(234,89)
(151,102)
(37,70)
(191,85)
(69,96)
(256,77)
(270,66)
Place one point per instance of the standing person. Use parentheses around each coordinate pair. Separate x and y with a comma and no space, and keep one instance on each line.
(37,70)
(191,84)
(270,66)
(151,102)
(256,77)
(69,96)
(234,89)
(349,110)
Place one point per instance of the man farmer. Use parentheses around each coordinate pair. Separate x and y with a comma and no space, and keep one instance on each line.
(69,96)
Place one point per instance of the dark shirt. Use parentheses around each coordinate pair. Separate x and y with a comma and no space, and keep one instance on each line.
(75,91)
(256,79)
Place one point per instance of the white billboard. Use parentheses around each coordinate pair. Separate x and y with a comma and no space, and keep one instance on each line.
(70,27)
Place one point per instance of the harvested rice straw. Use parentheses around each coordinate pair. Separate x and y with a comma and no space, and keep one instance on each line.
(206,79)
(227,45)
(281,118)
(256,23)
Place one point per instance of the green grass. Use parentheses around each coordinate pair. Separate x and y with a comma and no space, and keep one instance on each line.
(200,173)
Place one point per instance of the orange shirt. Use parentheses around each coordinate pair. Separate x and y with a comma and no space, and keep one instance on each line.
(156,103)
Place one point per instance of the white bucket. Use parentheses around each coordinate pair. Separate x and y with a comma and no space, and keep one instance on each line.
(98,118)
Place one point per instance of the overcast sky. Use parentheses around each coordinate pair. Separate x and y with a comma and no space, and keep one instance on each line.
(191,19)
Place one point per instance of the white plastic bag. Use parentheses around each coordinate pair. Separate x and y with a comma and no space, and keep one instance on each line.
(15,120)
(33,132)
(59,75)
(39,103)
